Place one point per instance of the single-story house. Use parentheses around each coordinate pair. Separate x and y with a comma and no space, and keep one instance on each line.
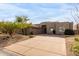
(49,27)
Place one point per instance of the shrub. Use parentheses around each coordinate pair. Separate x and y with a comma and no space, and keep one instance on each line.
(76,39)
(31,36)
(69,32)
(75,48)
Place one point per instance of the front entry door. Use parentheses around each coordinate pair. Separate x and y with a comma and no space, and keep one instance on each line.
(44,30)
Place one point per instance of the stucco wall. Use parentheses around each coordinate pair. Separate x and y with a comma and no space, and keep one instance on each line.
(64,26)
(34,31)
(56,26)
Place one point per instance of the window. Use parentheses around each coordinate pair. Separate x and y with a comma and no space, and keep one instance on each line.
(61,29)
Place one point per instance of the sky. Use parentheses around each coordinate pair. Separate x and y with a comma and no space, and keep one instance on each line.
(38,12)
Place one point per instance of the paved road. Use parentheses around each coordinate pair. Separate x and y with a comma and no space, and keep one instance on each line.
(40,45)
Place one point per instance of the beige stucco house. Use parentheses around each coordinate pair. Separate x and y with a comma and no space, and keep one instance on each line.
(49,27)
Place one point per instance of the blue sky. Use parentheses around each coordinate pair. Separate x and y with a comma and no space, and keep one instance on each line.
(37,12)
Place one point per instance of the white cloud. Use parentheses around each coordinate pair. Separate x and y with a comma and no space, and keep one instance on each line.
(63,13)
(10,11)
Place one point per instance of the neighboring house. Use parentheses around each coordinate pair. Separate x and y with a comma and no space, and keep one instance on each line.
(49,27)
(76,28)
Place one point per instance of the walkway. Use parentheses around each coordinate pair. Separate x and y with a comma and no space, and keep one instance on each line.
(4,52)
(40,45)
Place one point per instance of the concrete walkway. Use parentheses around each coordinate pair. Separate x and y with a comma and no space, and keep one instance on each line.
(39,46)
(4,52)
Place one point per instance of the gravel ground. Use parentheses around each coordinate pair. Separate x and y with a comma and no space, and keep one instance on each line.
(69,41)
(9,41)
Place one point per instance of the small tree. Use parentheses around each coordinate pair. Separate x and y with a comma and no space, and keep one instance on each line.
(18,19)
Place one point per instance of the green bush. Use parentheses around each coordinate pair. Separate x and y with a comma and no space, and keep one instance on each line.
(69,32)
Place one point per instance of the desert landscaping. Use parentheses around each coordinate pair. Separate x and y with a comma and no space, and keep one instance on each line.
(25,31)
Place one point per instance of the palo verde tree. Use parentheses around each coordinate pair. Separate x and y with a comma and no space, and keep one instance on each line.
(11,27)
(8,27)
(22,20)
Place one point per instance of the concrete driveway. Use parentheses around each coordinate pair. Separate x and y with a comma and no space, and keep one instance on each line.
(40,45)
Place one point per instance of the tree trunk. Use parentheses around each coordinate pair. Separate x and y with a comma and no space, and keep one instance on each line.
(23,31)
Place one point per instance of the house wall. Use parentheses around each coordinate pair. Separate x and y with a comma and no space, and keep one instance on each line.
(34,31)
(77,29)
(63,26)
(50,25)
(56,26)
